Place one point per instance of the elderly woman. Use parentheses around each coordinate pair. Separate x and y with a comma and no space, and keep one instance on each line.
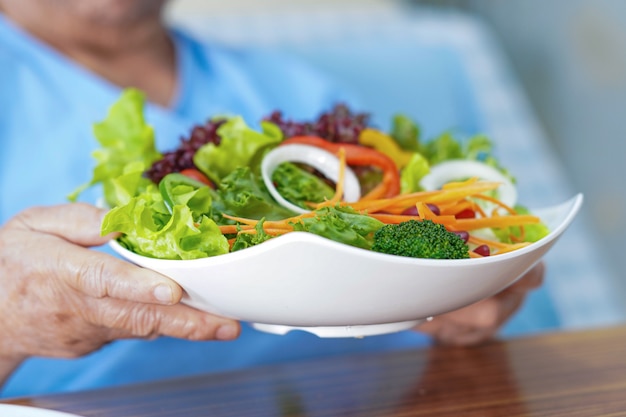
(62,64)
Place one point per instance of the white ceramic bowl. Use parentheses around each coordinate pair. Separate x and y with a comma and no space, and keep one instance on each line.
(306,282)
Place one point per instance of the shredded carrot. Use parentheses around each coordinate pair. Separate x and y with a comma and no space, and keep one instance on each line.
(459,206)
(494,222)
(230,229)
(341,153)
(374,206)
(491,243)
(339,185)
(395,204)
(240,219)
(401,202)
(519,238)
(497,202)
(448,195)
(269,231)
(455,207)
(478,209)
(269,223)
(424,211)
(513,247)
(507,208)
(376,193)
(521,228)
(497,246)
(393,218)
(400,218)
(459,184)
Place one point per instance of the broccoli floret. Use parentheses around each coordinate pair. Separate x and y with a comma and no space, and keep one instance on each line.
(420,239)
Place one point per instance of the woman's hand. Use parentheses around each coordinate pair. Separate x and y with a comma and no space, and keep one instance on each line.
(481,321)
(60,299)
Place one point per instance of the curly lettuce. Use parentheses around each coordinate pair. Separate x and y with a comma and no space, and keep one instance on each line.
(299,186)
(125,138)
(151,229)
(238,147)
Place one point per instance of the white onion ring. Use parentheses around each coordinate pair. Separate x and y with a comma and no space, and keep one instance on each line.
(325,162)
(459,169)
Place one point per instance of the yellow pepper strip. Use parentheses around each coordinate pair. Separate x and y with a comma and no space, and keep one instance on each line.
(385,144)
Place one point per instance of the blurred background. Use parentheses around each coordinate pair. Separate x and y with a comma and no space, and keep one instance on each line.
(570,57)
(563,65)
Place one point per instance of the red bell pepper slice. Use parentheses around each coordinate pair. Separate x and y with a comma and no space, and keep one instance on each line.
(198,176)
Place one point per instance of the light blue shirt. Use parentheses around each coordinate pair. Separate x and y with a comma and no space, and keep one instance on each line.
(47,107)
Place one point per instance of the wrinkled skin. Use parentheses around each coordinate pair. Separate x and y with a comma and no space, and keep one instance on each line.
(60,299)
(481,321)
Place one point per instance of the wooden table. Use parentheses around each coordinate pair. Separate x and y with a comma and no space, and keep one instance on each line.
(566,374)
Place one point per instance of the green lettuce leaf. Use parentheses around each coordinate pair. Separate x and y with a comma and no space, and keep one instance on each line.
(238,146)
(413,173)
(405,132)
(123,188)
(246,240)
(299,186)
(176,188)
(125,138)
(442,148)
(243,194)
(532,232)
(341,224)
(480,148)
(148,229)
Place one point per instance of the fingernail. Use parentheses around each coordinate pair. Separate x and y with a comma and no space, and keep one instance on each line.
(226,332)
(163,293)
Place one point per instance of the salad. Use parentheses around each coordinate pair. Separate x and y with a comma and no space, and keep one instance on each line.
(390,192)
